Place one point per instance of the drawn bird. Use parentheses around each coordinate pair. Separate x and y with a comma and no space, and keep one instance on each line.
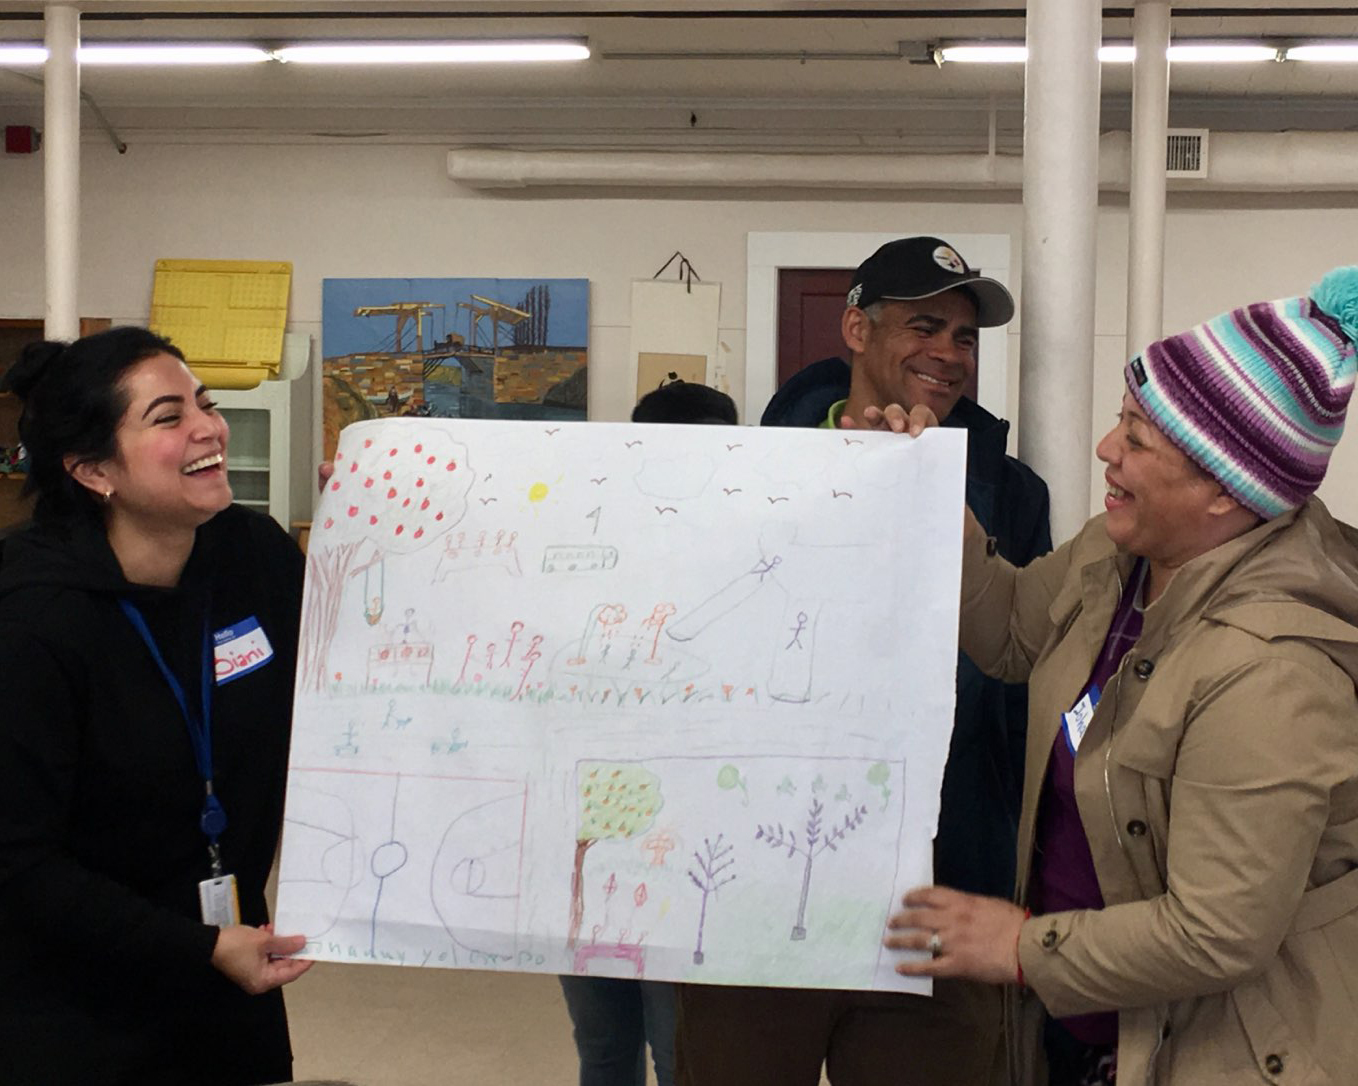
(731,447)
(729,490)
(596,482)
(839,493)
(552,431)
(486,501)
(852,441)
(632,444)
(663,509)
(775,501)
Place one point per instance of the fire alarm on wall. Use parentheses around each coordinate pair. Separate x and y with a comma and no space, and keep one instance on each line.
(22,139)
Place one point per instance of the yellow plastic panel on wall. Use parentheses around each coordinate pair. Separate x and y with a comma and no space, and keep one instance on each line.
(227,316)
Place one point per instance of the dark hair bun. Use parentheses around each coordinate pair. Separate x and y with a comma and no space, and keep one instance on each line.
(34,363)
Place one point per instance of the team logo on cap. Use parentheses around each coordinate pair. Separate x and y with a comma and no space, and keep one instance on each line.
(855,292)
(947,259)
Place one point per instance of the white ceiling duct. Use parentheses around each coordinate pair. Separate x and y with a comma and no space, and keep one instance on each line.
(1241,162)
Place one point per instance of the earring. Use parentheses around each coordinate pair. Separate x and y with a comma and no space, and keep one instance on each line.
(107,495)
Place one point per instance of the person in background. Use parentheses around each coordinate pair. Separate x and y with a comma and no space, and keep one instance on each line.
(614,1019)
(685,401)
(148,629)
(1189,843)
(911,328)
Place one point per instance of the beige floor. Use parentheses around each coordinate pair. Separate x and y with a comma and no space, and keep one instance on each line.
(385,1026)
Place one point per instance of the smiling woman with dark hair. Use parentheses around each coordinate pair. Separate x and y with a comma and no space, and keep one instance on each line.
(141,769)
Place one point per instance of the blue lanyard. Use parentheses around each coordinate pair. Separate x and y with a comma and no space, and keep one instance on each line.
(212,819)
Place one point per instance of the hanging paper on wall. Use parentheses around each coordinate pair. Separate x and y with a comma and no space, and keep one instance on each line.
(675,320)
(654,370)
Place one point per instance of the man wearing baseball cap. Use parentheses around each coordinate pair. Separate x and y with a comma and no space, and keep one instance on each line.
(911,325)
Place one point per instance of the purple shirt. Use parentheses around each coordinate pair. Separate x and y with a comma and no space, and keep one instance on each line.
(1063,867)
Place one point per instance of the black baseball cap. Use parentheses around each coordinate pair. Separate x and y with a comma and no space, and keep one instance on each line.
(912,268)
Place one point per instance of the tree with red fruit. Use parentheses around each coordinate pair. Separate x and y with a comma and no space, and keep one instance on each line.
(397,486)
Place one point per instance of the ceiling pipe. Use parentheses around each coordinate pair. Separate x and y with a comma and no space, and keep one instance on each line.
(1238,162)
(489,168)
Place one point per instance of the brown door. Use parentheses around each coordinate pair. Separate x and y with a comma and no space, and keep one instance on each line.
(14,336)
(810,305)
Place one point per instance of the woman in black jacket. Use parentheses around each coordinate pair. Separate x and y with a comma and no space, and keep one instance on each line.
(148,630)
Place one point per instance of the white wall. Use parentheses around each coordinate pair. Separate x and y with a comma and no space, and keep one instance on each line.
(344,211)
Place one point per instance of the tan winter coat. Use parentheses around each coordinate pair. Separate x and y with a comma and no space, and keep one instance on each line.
(1218,787)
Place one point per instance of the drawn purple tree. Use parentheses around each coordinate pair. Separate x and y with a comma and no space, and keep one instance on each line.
(397,486)
(716,860)
(816,841)
(617,801)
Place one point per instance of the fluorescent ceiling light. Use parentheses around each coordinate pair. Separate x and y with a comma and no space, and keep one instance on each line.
(454,52)
(138,55)
(22,56)
(1333,53)
(1120,53)
(167,54)
(1117,54)
(983,54)
(1221,53)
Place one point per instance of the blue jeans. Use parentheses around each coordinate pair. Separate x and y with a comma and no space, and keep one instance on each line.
(614,1020)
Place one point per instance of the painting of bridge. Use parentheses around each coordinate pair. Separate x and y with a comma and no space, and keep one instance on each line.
(454,348)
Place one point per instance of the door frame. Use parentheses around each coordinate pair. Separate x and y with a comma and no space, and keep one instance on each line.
(767,252)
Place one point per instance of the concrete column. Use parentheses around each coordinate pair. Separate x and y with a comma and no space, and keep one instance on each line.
(61,170)
(1146,216)
(1060,203)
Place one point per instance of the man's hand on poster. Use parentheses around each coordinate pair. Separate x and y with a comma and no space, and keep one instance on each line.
(893,418)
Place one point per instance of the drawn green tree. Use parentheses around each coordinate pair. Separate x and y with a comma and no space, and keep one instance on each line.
(616,801)
(815,841)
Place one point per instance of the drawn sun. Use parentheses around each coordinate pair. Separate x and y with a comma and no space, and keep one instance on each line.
(539,492)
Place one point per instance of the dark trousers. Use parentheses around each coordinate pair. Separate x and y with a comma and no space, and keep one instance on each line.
(613,1020)
(730,1036)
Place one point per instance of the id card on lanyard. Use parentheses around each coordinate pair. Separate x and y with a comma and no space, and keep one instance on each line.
(217,896)
(1075,723)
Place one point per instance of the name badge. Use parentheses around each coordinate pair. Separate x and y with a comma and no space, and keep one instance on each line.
(219,902)
(1076,722)
(239,649)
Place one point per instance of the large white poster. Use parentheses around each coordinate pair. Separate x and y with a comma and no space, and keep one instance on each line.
(660,701)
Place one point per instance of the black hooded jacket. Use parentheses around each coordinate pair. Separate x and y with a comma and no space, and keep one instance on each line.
(105,965)
(983,780)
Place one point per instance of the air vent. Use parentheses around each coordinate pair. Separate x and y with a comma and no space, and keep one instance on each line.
(1186,152)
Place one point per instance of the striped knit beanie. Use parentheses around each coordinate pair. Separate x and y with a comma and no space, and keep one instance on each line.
(1256,397)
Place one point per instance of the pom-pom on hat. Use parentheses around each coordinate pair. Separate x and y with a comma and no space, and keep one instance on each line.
(1257,396)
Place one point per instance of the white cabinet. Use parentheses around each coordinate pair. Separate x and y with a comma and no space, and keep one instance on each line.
(270,460)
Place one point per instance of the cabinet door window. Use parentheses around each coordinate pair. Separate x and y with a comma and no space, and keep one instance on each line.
(248,455)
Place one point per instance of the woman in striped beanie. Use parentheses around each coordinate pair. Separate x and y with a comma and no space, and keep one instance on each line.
(1187,908)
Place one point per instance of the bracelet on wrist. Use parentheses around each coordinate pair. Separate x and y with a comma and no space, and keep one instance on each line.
(1018,962)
